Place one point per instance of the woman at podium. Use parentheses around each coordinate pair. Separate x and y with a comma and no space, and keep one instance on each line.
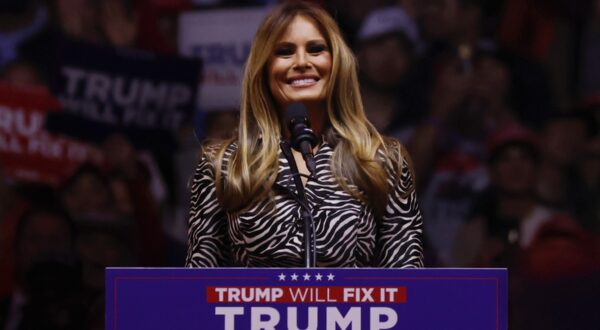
(260,199)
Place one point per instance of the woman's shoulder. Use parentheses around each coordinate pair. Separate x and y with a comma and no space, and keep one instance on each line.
(214,153)
(398,161)
(394,153)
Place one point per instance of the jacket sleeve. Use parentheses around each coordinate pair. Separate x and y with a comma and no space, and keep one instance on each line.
(208,240)
(399,234)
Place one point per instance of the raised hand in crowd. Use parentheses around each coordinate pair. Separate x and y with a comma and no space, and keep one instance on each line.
(118,23)
(452,88)
(121,156)
(77,19)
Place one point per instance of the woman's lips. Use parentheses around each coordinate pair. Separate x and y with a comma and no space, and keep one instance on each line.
(303,82)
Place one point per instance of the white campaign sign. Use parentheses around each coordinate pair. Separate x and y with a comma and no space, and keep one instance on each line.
(222,39)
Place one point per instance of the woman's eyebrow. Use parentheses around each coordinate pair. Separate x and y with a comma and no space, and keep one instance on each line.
(285,43)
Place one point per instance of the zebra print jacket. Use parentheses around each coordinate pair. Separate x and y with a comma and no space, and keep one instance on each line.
(270,234)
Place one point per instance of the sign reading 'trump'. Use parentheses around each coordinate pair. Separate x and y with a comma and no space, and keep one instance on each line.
(316,298)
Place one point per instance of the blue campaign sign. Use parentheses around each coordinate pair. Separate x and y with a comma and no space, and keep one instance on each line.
(299,298)
(105,90)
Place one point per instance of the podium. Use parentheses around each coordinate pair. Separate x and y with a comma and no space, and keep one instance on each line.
(305,298)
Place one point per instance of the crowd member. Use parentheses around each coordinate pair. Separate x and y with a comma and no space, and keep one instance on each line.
(137,184)
(449,148)
(121,196)
(101,242)
(23,74)
(350,14)
(387,44)
(19,21)
(88,191)
(510,227)
(47,279)
(563,183)
(12,205)
(507,216)
(236,218)
(454,31)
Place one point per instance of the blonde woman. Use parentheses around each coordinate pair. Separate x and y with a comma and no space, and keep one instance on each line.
(362,199)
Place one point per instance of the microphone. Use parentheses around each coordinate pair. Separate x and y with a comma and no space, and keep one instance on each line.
(302,137)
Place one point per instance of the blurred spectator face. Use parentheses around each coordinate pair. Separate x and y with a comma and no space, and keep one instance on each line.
(221,125)
(440,17)
(88,194)
(123,202)
(514,171)
(447,19)
(354,12)
(44,235)
(491,80)
(168,25)
(120,154)
(99,249)
(78,18)
(22,75)
(563,140)
(385,61)
(413,7)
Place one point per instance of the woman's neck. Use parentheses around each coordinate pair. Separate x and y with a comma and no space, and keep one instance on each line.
(317,116)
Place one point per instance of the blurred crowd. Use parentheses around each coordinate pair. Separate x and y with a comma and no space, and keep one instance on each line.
(497,101)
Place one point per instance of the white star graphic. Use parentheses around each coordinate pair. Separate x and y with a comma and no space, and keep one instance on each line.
(318,277)
(330,277)
(282,277)
(294,277)
(306,277)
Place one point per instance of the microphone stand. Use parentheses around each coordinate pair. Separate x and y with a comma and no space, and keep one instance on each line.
(309,239)
(310,251)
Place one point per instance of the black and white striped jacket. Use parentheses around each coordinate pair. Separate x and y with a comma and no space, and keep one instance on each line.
(347,231)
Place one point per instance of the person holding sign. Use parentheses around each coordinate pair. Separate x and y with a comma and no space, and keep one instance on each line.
(347,190)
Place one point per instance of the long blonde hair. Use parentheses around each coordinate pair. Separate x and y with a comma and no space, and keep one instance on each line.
(252,168)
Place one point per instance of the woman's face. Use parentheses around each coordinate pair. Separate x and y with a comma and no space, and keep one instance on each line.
(299,67)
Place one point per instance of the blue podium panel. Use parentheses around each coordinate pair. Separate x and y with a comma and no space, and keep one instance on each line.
(300,298)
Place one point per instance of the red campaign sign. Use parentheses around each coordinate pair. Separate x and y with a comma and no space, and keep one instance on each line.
(27,151)
(306,294)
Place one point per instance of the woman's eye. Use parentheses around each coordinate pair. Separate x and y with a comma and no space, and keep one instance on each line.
(284,51)
(315,49)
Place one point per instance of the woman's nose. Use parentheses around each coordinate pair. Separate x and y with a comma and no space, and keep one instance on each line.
(301,60)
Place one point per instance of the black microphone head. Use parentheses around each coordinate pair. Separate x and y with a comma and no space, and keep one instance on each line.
(296,112)
(296,118)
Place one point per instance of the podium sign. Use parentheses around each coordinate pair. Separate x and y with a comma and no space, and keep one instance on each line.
(300,298)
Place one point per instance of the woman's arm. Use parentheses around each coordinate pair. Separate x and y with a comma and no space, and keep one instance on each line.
(400,230)
(208,241)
